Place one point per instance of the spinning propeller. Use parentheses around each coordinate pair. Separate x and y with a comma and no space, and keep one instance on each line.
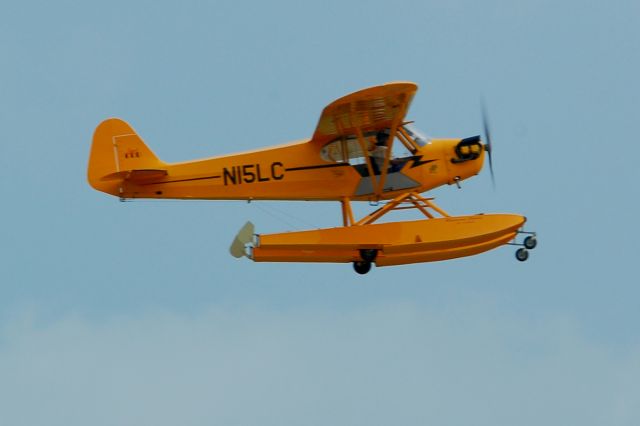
(488,146)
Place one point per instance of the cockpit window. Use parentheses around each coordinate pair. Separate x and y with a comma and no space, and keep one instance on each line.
(342,150)
(373,157)
(347,149)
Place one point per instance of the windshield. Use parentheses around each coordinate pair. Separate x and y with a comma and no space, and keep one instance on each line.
(419,137)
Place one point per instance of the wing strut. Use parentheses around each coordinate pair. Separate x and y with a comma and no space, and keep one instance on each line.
(397,118)
(365,153)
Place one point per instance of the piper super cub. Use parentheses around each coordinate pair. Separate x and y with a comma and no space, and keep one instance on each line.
(350,157)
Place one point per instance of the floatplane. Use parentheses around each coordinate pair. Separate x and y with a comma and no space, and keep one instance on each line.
(362,149)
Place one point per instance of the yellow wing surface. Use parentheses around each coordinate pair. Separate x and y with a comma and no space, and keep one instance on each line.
(364,111)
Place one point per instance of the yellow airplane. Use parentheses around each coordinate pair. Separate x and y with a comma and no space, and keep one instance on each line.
(350,157)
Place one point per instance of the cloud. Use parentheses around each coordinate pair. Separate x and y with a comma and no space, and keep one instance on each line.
(388,364)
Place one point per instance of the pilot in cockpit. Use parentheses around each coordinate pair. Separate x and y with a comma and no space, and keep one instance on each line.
(379,151)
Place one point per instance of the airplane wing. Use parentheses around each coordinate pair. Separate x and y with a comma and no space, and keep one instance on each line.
(368,110)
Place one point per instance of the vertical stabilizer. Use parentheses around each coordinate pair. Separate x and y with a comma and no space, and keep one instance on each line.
(117,150)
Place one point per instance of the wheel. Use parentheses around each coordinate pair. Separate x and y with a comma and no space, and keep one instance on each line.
(362,267)
(368,255)
(522,254)
(530,242)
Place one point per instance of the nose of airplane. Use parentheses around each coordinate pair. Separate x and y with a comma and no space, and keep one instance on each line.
(467,149)
(466,158)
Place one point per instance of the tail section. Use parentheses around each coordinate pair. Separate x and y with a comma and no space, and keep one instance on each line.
(119,154)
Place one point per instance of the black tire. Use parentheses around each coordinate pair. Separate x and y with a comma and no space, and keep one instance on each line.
(368,255)
(522,254)
(362,267)
(530,242)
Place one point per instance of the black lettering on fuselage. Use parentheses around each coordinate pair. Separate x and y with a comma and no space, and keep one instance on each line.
(260,178)
(252,173)
(274,175)
(249,175)
(229,176)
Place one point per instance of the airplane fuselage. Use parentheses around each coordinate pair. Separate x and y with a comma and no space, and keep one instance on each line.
(295,171)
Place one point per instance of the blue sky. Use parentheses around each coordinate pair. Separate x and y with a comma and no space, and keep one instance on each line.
(129,313)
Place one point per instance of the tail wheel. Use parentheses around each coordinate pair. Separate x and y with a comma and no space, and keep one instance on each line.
(362,267)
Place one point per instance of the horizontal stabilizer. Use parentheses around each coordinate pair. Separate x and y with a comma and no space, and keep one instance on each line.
(244,237)
(137,176)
